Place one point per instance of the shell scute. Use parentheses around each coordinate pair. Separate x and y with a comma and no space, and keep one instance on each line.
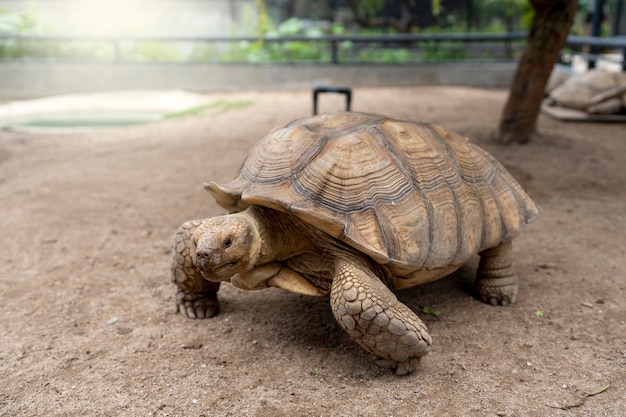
(409,194)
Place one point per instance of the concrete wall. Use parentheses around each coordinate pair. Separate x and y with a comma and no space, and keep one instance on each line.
(35,79)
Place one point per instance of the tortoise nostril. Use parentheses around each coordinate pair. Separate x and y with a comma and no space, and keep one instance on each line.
(202,254)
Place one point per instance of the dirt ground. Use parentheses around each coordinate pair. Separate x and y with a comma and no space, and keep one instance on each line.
(88,324)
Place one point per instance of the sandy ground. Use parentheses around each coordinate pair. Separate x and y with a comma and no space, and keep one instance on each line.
(88,324)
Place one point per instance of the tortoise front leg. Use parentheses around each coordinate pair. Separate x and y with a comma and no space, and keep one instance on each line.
(495,280)
(372,315)
(196,297)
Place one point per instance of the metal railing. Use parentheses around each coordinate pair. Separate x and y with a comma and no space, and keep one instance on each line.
(333,49)
(618,43)
(336,49)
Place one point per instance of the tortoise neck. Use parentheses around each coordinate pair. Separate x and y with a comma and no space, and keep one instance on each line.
(282,235)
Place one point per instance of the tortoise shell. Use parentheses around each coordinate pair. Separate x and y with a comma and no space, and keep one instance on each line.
(411,195)
(591,88)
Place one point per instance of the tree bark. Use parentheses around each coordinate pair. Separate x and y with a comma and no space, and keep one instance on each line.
(548,33)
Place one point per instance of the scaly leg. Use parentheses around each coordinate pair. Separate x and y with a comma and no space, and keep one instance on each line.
(372,315)
(495,280)
(196,296)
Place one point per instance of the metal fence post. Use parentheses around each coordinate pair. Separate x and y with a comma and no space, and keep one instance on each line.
(596,28)
(334,55)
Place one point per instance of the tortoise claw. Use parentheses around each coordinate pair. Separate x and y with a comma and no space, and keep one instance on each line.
(503,298)
(197,307)
(401,368)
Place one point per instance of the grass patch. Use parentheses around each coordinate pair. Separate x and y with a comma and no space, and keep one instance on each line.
(219,105)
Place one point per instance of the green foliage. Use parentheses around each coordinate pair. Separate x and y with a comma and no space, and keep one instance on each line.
(371,7)
(11,22)
(432,311)
(496,16)
(149,51)
(27,24)
(375,53)
(263,19)
(20,23)
(259,51)
(435,7)
(509,14)
(444,51)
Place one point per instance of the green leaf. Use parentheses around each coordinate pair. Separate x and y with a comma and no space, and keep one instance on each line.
(599,390)
(433,311)
(539,313)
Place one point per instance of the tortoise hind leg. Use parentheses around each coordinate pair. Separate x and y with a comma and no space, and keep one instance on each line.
(495,280)
(196,296)
(372,315)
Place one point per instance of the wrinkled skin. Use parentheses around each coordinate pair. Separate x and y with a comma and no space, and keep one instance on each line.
(259,248)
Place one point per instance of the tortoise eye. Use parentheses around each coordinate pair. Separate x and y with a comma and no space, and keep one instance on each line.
(227,243)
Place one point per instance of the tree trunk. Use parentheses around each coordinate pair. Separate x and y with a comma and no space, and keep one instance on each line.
(548,33)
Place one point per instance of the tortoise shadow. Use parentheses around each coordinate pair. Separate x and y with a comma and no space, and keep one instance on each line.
(307,325)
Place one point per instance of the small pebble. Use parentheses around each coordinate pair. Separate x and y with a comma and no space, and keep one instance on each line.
(112,320)
(529,364)
(194,401)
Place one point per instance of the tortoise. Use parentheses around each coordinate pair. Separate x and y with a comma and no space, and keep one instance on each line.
(356,205)
(595,92)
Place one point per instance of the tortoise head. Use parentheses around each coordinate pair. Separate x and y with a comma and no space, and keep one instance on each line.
(227,245)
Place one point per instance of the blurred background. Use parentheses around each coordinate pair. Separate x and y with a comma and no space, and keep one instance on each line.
(60,47)
(64,46)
